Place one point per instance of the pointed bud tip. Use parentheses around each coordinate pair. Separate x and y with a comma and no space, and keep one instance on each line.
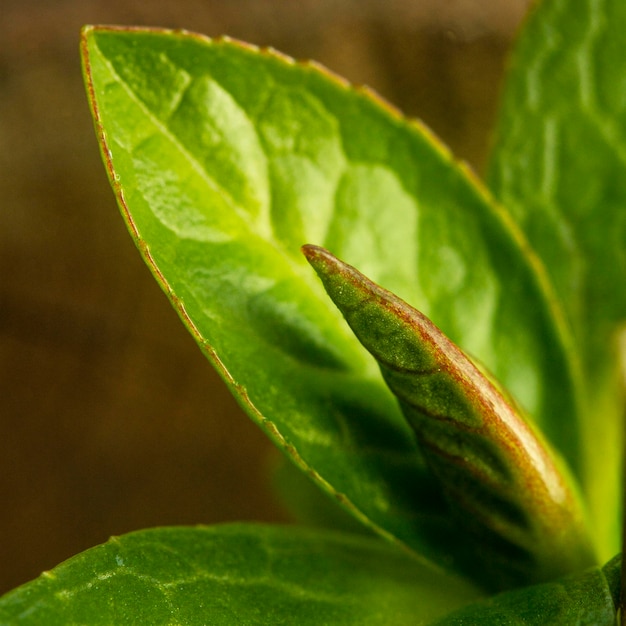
(319,258)
(312,251)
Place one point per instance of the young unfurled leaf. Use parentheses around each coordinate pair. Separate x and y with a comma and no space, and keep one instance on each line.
(497,473)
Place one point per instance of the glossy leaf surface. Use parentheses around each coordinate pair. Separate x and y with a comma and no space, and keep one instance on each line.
(237,574)
(559,165)
(225,160)
(523,522)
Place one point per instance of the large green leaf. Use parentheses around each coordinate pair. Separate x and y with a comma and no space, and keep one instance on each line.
(237,574)
(586,599)
(559,165)
(225,159)
(522,519)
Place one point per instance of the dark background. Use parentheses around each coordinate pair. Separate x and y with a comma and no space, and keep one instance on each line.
(111,420)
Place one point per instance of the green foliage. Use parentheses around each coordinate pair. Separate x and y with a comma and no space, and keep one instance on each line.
(558,166)
(237,574)
(584,599)
(519,518)
(463,461)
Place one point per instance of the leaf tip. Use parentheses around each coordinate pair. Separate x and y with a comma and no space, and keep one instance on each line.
(320,259)
(325,263)
(313,252)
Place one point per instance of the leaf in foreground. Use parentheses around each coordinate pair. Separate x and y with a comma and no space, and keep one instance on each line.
(225,160)
(586,599)
(499,476)
(237,574)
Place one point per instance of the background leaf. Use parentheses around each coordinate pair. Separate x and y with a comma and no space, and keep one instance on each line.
(308,505)
(225,160)
(558,165)
(586,599)
(237,574)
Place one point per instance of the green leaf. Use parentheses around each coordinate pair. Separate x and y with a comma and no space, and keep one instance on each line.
(585,599)
(524,521)
(237,574)
(559,166)
(308,505)
(225,160)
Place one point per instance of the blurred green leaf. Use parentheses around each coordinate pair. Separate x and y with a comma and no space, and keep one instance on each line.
(225,160)
(237,574)
(559,166)
(307,504)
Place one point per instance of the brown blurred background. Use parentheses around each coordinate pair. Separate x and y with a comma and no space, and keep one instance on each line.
(111,420)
